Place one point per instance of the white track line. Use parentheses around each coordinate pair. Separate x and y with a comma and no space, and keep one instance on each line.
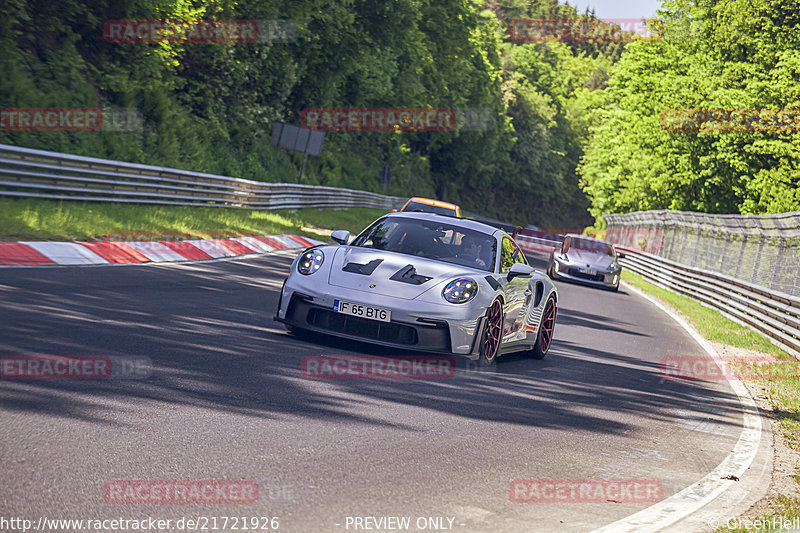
(695,496)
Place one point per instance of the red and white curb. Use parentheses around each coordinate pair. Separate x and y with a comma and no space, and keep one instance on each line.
(31,253)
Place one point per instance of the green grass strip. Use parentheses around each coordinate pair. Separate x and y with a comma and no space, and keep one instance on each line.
(53,220)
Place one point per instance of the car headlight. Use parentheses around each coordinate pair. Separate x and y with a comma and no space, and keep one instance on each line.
(310,262)
(460,291)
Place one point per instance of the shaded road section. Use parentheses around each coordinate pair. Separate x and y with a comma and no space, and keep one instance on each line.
(226,400)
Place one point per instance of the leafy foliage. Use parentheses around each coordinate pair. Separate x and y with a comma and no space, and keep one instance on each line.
(211,107)
(729,54)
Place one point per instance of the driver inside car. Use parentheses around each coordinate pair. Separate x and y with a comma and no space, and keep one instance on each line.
(472,251)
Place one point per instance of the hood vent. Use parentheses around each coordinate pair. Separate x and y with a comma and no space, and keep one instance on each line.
(358,268)
(408,274)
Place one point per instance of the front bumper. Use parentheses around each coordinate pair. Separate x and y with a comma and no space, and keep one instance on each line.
(414,326)
(601,279)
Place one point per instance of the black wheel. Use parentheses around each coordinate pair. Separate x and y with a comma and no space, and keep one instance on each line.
(546,329)
(491,335)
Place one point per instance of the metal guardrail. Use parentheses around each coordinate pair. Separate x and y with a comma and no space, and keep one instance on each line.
(25,172)
(775,314)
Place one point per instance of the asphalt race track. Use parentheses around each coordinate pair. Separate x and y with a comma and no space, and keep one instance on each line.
(225,399)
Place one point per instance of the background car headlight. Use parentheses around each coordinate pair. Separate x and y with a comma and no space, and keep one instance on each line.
(310,262)
(460,291)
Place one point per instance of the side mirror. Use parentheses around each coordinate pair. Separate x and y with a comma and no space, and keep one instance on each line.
(565,245)
(341,236)
(520,270)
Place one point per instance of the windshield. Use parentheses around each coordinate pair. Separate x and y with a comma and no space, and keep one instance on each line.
(431,240)
(590,246)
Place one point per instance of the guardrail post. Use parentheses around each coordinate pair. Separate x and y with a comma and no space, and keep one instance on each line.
(712,242)
(796,288)
(668,252)
(683,244)
(778,263)
(741,255)
(754,276)
(697,242)
(725,252)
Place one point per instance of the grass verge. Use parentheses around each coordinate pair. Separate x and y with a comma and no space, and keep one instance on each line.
(779,384)
(53,220)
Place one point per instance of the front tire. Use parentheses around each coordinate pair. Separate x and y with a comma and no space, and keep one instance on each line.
(546,329)
(491,335)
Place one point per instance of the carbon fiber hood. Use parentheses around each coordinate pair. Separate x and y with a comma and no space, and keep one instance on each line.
(408,283)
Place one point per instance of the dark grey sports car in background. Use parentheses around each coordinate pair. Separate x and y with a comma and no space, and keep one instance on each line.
(586,260)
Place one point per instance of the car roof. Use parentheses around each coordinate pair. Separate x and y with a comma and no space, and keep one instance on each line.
(455,221)
(508,228)
(429,201)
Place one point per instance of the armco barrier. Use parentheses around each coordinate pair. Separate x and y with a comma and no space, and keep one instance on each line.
(773,313)
(25,172)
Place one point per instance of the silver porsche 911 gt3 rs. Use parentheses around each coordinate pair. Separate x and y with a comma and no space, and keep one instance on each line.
(586,260)
(424,282)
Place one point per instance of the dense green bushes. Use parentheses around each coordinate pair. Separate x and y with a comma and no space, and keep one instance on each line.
(211,107)
(728,54)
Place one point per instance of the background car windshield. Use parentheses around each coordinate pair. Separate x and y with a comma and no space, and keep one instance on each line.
(596,247)
(427,208)
(432,240)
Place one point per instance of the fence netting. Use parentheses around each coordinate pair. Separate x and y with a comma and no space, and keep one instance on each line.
(761,249)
